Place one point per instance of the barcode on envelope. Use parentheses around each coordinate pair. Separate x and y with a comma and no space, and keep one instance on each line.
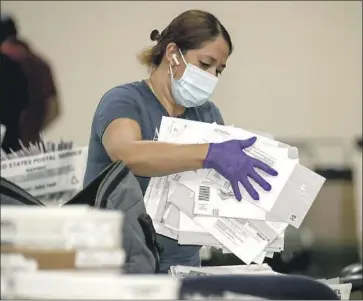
(204,193)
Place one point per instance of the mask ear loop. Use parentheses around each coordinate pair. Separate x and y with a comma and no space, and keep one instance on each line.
(183,58)
(170,71)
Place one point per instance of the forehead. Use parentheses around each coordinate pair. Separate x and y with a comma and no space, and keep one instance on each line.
(217,49)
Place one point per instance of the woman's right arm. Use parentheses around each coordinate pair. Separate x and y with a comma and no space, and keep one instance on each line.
(117,124)
(122,141)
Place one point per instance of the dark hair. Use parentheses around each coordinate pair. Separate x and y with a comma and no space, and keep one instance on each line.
(8,28)
(188,31)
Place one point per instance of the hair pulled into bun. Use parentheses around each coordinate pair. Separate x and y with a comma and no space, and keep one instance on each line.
(155,35)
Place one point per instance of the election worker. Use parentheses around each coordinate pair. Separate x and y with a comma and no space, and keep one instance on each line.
(186,61)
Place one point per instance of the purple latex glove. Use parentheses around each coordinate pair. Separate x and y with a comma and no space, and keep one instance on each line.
(229,159)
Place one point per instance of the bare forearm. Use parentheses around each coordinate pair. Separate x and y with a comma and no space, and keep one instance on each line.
(153,159)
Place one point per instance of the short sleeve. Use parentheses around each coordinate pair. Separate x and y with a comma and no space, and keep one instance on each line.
(217,115)
(119,102)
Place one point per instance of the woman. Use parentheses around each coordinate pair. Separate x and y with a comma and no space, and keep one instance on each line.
(186,61)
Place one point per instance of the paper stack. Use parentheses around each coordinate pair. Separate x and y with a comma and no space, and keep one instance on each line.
(70,252)
(41,147)
(61,238)
(52,172)
(50,285)
(199,207)
(180,272)
(71,238)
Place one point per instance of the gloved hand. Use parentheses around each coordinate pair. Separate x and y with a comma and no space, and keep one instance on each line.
(229,159)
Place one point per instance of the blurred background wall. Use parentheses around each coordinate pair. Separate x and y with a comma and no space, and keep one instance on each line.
(296,70)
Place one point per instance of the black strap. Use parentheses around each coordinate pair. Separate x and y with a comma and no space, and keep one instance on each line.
(151,239)
(15,192)
(116,180)
(88,194)
(112,176)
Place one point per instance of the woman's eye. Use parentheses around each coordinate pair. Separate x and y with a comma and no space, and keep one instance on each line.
(204,65)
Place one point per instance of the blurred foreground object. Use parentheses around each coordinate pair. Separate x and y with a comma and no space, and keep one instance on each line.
(270,287)
(48,285)
(357,176)
(14,100)
(115,190)
(70,253)
(43,106)
(250,284)
(51,172)
(353,273)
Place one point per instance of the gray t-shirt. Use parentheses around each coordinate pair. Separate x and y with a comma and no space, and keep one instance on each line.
(136,101)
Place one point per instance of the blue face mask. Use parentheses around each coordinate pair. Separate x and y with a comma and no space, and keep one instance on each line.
(195,86)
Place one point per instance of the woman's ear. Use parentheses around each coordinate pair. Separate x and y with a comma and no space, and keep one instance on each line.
(171,54)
